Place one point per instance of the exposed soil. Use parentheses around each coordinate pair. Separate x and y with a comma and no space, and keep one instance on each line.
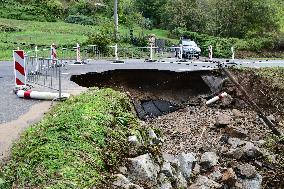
(191,128)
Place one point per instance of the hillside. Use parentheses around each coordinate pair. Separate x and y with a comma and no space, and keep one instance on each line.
(25,23)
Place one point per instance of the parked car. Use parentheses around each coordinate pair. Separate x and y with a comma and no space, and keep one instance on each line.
(190,49)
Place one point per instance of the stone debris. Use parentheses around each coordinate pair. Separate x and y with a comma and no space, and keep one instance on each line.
(187,162)
(208,160)
(203,182)
(229,177)
(246,171)
(143,169)
(222,120)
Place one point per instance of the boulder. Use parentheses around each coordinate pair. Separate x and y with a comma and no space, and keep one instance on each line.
(202,182)
(143,170)
(222,120)
(227,101)
(122,170)
(246,171)
(208,160)
(187,162)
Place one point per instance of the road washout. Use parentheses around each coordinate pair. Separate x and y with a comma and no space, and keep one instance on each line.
(195,127)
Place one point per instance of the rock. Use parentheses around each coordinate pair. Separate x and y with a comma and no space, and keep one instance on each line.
(167,169)
(180,181)
(227,100)
(235,142)
(246,171)
(174,162)
(187,162)
(133,140)
(236,153)
(122,170)
(143,169)
(166,185)
(202,182)
(251,151)
(229,177)
(120,181)
(196,169)
(241,149)
(152,134)
(216,175)
(254,183)
(133,186)
(208,160)
(237,113)
(222,120)
(236,132)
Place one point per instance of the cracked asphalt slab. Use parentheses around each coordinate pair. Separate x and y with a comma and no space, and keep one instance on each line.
(11,107)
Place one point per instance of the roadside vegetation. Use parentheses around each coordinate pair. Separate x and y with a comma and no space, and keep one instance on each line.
(76,145)
(257,33)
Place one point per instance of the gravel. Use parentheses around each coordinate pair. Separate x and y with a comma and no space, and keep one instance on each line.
(183,129)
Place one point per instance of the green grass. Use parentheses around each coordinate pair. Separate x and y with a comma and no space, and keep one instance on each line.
(46,33)
(74,145)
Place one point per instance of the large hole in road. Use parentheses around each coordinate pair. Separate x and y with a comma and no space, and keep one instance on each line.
(153,92)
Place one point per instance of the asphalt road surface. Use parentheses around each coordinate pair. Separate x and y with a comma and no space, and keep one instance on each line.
(11,107)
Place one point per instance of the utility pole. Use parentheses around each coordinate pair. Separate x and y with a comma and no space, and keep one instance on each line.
(115,19)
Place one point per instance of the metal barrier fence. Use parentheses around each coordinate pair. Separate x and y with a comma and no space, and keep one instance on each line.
(43,71)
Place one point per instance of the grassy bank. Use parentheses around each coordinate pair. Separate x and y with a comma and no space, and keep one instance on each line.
(77,143)
(24,34)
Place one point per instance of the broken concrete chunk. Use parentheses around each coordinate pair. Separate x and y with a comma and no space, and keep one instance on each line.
(187,162)
(222,120)
(246,171)
(208,160)
(202,182)
(143,169)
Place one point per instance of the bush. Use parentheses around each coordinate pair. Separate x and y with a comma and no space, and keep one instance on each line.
(222,46)
(9,28)
(102,41)
(80,19)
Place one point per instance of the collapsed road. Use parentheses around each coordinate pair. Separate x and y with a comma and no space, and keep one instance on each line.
(171,97)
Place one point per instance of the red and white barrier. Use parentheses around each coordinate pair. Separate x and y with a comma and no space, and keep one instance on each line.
(216,98)
(53,53)
(20,68)
(41,95)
